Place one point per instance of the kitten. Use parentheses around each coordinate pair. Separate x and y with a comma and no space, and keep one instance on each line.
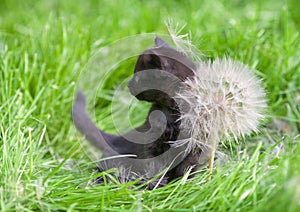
(164,62)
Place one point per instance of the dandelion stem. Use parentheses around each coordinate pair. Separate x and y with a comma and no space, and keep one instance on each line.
(211,162)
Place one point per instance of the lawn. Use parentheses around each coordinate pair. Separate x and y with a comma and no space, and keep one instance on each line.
(45,165)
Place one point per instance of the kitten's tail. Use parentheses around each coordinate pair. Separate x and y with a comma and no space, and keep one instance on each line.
(86,126)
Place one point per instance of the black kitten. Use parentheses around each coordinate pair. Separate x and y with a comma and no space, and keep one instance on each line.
(173,62)
(166,62)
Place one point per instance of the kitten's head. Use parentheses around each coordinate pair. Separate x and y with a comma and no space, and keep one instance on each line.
(158,73)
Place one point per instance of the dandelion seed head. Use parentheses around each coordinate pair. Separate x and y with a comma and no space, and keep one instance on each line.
(225,99)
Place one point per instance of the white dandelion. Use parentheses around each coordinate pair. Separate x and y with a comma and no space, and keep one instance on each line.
(225,99)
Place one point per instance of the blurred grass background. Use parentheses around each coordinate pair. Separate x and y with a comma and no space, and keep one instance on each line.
(45,44)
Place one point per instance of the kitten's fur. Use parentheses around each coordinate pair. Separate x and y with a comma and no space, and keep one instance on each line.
(162,57)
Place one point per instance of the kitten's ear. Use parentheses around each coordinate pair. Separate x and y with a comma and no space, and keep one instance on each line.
(152,59)
(161,43)
(147,61)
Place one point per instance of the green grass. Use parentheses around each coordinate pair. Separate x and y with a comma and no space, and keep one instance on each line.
(45,44)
